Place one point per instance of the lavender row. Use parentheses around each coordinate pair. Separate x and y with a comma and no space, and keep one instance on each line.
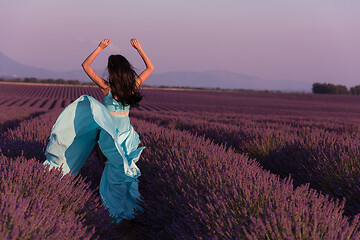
(326,160)
(29,138)
(39,204)
(201,190)
(23,149)
(349,126)
(289,124)
(259,103)
(48,91)
(11,117)
(195,189)
(256,103)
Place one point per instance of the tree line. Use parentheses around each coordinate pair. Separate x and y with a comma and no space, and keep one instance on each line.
(48,80)
(328,88)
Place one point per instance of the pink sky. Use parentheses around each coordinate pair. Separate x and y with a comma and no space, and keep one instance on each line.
(303,40)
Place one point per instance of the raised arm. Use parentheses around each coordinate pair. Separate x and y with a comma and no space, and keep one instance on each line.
(90,72)
(149,66)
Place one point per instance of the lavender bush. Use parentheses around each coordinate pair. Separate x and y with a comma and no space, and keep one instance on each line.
(325,159)
(40,204)
(208,192)
(196,182)
(11,117)
(29,139)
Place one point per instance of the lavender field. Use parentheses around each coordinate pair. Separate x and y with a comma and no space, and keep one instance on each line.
(217,165)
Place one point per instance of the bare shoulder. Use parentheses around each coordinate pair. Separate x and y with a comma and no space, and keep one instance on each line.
(105,91)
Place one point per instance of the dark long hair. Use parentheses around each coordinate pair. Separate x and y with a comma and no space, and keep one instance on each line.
(122,81)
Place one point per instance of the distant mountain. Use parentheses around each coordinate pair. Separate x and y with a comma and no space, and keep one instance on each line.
(226,80)
(12,69)
(209,79)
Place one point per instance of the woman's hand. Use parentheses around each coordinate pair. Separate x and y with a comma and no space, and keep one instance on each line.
(135,43)
(104,43)
(149,67)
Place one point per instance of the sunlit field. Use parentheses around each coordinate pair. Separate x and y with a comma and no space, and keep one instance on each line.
(217,165)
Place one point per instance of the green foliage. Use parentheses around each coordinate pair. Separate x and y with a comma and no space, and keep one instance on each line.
(31,80)
(47,80)
(328,88)
(355,90)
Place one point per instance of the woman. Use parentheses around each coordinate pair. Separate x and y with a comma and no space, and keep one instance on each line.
(86,121)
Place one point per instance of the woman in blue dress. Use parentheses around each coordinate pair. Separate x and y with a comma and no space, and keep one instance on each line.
(86,122)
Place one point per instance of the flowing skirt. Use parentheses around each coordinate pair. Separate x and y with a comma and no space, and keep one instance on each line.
(74,135)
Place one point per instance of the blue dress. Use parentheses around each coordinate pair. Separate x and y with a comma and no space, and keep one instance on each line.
(74,135)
